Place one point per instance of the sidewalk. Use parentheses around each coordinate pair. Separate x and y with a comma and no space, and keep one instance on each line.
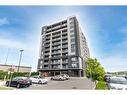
(2,83)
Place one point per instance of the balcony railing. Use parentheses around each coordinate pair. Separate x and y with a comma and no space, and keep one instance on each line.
(64,41)
(64,46)
(56,68)
(56,39)
(46,53)
(56,47)
(55,63)
(46,63)
(55,43)
(56,35)
(56,52)
(64,67)
(64,61)
(45,67)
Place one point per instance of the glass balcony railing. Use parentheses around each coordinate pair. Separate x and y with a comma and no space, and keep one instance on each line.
(56,47)
(64,41)
(63,62)
(56,52)
(56,43)
(55,63)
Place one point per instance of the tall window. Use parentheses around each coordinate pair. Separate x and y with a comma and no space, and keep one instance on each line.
(72,47)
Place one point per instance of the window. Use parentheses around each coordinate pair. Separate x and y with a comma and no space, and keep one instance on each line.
(71,27)
(72,45)
(74,59)
(71,31)
(74,65)
(71,22)
(72,35)
(72,49)
(72,40)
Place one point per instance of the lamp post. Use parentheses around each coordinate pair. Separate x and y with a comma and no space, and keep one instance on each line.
(20,60)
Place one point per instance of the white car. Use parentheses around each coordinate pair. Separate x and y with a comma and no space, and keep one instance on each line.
(58,77)
(65,76)
(117,83)
(39,80)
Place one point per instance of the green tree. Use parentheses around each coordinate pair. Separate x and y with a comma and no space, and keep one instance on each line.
(94,70)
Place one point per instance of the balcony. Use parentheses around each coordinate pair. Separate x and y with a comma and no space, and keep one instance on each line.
(64,67)
(63,62)
(47,49)
(47,45)
(64,25)
(45,67)
(47,41)
(56,43)
(49,29)
(47,37)
(56,68)
(56,35)
(53,56)
(64,37)
(56,48)
(56,39)
(64,46)
(56,52)
(46,63)
(55,63)
(64,33)
(65,51)
(65,41)
(46,53)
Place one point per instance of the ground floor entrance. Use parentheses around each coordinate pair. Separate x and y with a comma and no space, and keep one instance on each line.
(71,73)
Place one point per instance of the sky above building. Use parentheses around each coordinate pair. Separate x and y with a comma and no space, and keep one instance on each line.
(105,28)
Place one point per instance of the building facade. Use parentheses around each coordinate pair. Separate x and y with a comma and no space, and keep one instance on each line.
(14,68)
(63,49)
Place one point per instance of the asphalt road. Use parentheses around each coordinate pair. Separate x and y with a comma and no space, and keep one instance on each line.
(72,83)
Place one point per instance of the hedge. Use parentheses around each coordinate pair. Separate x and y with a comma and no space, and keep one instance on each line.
(5,75)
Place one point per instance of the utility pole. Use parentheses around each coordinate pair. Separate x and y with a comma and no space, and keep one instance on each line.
(20,60)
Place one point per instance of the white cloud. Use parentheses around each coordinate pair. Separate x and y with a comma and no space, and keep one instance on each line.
(3,21)
(11,43)
(114,63)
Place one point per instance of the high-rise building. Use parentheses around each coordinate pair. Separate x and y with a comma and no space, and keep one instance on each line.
(63,49)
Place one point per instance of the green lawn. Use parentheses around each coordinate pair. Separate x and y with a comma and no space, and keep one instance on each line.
(5,88)
(101,85)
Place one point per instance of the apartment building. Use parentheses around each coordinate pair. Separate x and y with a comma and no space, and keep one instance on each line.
(63,49)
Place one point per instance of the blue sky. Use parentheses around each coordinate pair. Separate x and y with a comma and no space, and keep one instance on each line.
(105,28)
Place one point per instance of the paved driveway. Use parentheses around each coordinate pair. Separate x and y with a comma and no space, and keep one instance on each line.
(73,83)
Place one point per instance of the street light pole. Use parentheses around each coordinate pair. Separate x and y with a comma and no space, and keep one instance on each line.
(20,60)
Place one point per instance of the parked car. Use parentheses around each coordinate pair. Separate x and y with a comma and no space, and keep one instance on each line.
(58,77)
(65,76)
(107,77)
(39,80)
(19,82)
(117,83)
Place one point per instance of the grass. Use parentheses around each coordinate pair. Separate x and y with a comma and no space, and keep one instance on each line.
(101,85)
(5,88)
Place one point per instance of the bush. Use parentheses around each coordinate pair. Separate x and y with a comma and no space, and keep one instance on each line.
(16,74)
(2,75)
(101,85)
(20,74)
(34,73)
